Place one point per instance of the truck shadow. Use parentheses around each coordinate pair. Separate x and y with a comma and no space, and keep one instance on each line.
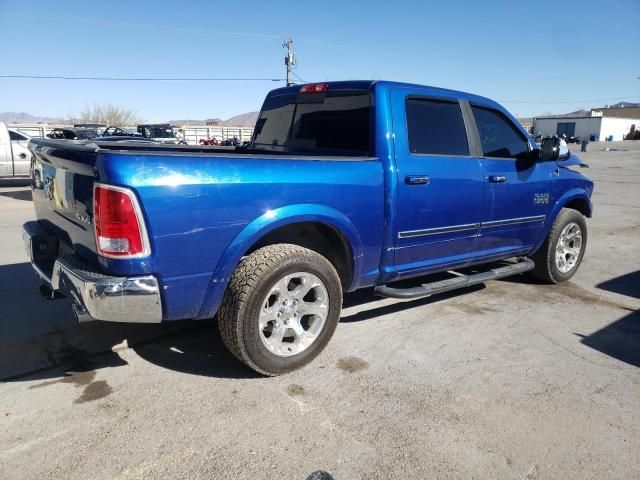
(42,340)
(37,334)
(366,296)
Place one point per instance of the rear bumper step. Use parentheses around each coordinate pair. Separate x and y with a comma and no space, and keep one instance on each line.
(428,289)
(96,296)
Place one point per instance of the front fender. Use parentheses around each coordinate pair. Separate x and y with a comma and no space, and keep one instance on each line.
(561,202)
(261,226)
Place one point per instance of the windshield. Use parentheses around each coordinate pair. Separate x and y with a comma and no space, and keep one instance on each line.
(336,121)
(158,132)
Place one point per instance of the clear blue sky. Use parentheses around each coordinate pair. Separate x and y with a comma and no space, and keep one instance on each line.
(511,51)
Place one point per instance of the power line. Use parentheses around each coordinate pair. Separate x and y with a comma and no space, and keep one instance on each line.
(298,77)
(571,101)
(145,79)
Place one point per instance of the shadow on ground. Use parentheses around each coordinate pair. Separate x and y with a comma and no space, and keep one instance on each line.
(37,334)
(18,195)
(628,284)
(620,340)
(15,182)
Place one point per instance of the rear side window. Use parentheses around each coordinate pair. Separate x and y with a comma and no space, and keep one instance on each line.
(335,122)
(498,135)
(436,127)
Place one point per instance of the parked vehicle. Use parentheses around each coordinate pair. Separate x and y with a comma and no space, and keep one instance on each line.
(231,142)
(161,133)
(570,139)
(112,131)
(209,141)
(98,127)
(73,133)
(15,157)
(333,195)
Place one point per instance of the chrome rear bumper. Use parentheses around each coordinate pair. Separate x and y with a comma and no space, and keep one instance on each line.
(101,297)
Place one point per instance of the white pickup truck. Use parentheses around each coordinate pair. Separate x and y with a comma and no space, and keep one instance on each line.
(15,157)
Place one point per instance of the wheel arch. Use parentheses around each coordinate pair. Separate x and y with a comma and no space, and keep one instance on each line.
(317,227)
(576,199)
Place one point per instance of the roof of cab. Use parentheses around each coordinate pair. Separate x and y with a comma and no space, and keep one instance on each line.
(368,84)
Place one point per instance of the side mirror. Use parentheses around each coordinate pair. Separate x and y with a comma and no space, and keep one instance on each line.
(554,148)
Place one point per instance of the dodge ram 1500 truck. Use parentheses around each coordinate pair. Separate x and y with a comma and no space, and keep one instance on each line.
(345,185)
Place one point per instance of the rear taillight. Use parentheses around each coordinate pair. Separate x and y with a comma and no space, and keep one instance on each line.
(118,221)
(314,88)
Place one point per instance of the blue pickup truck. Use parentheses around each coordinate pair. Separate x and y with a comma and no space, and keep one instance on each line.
(345,185)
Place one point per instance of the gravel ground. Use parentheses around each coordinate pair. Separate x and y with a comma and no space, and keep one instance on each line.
(508,380)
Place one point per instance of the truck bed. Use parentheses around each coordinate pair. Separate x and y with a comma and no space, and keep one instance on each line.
(199,201)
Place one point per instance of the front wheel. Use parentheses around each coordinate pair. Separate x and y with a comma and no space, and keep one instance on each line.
(560,255)
(281,308)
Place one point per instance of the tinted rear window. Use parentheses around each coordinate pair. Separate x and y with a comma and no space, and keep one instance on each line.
(335,122)
(436,127)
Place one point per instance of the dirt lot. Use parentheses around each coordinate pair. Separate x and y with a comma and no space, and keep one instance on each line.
(509,380)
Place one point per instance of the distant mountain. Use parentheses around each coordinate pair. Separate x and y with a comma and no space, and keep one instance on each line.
(22,117)
(242,120)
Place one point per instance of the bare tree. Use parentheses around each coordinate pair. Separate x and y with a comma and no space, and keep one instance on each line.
(107,114)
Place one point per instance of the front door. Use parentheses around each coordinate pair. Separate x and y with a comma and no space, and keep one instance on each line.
(517,191)
(439,183)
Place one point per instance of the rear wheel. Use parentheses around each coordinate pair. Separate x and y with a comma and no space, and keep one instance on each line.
(281,308)
(560,255)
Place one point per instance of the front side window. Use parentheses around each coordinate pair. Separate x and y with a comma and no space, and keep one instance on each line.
(498,135)
(436,127)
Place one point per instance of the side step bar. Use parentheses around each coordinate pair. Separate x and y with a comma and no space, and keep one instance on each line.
(427,289)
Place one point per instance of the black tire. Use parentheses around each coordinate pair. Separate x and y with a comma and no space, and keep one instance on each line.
(243,300)
(545,258)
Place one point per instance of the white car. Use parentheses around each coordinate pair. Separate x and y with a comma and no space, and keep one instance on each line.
(15,157)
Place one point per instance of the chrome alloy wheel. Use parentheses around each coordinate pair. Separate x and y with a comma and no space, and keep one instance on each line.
(293,314)
(569,247)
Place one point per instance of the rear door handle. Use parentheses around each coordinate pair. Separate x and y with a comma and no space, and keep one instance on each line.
(497,178)
(417,180)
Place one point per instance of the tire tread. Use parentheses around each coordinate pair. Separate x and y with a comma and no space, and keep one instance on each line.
(245,280)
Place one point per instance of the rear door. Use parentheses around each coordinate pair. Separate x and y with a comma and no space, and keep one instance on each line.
(439,183)
(517,188)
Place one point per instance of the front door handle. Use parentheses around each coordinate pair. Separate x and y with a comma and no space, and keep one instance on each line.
(497,178)
(417,180)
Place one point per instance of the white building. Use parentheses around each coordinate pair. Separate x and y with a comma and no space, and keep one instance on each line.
(585,127)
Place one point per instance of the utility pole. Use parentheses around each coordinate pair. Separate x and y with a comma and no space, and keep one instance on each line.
(289,59)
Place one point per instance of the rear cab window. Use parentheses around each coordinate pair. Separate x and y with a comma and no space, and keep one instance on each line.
(335,122)
(436,127)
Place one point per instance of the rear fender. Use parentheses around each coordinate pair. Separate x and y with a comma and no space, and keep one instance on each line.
(261,226)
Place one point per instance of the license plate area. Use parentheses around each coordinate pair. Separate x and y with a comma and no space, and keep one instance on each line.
(41,247)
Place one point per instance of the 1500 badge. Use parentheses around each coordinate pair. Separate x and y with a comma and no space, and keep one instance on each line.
(540,198)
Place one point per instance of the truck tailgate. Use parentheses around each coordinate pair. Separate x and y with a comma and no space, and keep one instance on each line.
(64,200)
